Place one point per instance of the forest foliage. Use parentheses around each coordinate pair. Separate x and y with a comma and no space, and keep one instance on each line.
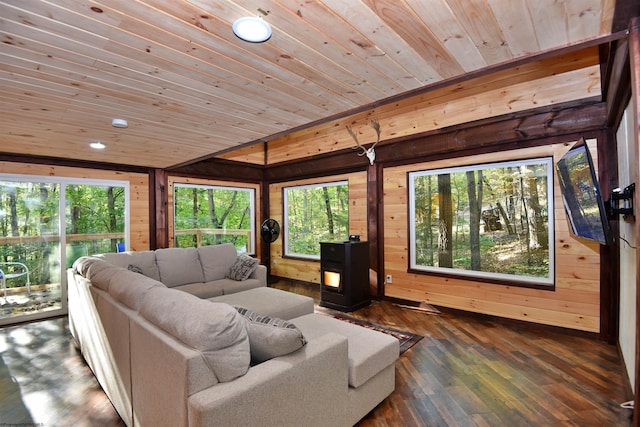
(316,214)
(201,210)
(30,224)
(490,219)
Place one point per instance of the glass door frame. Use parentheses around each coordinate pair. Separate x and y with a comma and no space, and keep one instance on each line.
(63,182)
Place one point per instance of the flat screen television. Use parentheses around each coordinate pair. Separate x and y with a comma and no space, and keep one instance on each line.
(581,195)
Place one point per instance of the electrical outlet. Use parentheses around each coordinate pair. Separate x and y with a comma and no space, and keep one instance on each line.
(389,278)
(275,262)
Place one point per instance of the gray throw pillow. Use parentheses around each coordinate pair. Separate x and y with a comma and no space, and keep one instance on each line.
(270,337)
(134,268)
(242,268)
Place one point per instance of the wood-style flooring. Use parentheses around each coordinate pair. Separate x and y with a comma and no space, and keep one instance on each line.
(468,370)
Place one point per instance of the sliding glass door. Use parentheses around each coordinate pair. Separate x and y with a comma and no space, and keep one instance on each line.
(46,224)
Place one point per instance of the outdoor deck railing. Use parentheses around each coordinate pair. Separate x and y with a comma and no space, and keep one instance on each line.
(70,238)
(8,240)
(200,232)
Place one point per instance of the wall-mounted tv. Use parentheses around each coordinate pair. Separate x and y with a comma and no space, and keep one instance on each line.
(581,195)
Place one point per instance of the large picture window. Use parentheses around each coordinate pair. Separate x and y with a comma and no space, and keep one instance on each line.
(313,214)
(491,221)
(211,215)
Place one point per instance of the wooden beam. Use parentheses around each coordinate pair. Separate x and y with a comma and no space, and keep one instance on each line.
(616,81)
(498,134)
(56,161)
(490,134)
(374,230)
(158,209)
(624,11)
(226,170)
(609,254)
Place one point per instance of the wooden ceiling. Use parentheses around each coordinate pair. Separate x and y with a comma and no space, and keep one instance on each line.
(189,88)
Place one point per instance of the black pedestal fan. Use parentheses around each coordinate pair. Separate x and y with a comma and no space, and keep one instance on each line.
(269,231)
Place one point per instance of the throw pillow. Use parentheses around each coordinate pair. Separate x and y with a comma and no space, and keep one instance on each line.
(242,268)
(134,268)
(270,337)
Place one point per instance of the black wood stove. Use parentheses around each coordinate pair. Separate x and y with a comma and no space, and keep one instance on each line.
(344,275)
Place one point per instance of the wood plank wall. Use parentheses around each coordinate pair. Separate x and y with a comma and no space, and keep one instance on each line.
(305,270)
(138,191)
(566,78)
(575,302)
(199,181)
(571,78)
(254,154)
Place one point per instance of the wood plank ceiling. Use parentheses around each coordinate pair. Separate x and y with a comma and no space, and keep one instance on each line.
(189,88)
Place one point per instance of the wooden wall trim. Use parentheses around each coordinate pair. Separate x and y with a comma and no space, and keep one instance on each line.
(609,255)
(264,214)
(334,163)
(497,134)
(54,161)
(489,134)
(158,183)
(376,251)
(221,169)
(617,81)
(624,9)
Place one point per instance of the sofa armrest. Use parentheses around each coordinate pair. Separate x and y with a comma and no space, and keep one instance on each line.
(260,273)
(307,387)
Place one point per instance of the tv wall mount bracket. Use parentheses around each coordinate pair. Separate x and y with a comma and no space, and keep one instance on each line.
(621,202)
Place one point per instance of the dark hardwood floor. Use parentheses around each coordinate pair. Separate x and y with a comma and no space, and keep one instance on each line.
(468,370)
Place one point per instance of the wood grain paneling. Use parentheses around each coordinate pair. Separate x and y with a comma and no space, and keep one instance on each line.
(252,154)
(138,191)
(571,77)
(190,88)
(305,270)
(575,302)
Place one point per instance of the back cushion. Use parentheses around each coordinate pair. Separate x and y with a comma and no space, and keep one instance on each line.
(130,288)
(179,266)
(217,330)
(96,270)
(216,260)
(144,262)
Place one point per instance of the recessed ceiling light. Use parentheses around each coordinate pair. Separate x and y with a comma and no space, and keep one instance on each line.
(252,29)
(98,145)
(119,123)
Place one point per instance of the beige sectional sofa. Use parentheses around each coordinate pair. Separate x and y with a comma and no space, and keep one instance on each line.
(201,272)
(171,354)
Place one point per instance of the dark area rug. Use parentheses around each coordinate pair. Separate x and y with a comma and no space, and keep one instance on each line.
(407,339)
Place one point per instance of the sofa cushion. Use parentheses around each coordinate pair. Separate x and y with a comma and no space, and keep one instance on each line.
(130,288)
(203,290)
(216,330)
(242,268)
(230,286)
(144,261)
(270,302)
(179,266)
(270,337)
(216,260)
(95,269)
(369,351)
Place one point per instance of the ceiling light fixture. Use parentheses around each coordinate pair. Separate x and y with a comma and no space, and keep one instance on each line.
(119,123)
(98,145)
(252,29)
